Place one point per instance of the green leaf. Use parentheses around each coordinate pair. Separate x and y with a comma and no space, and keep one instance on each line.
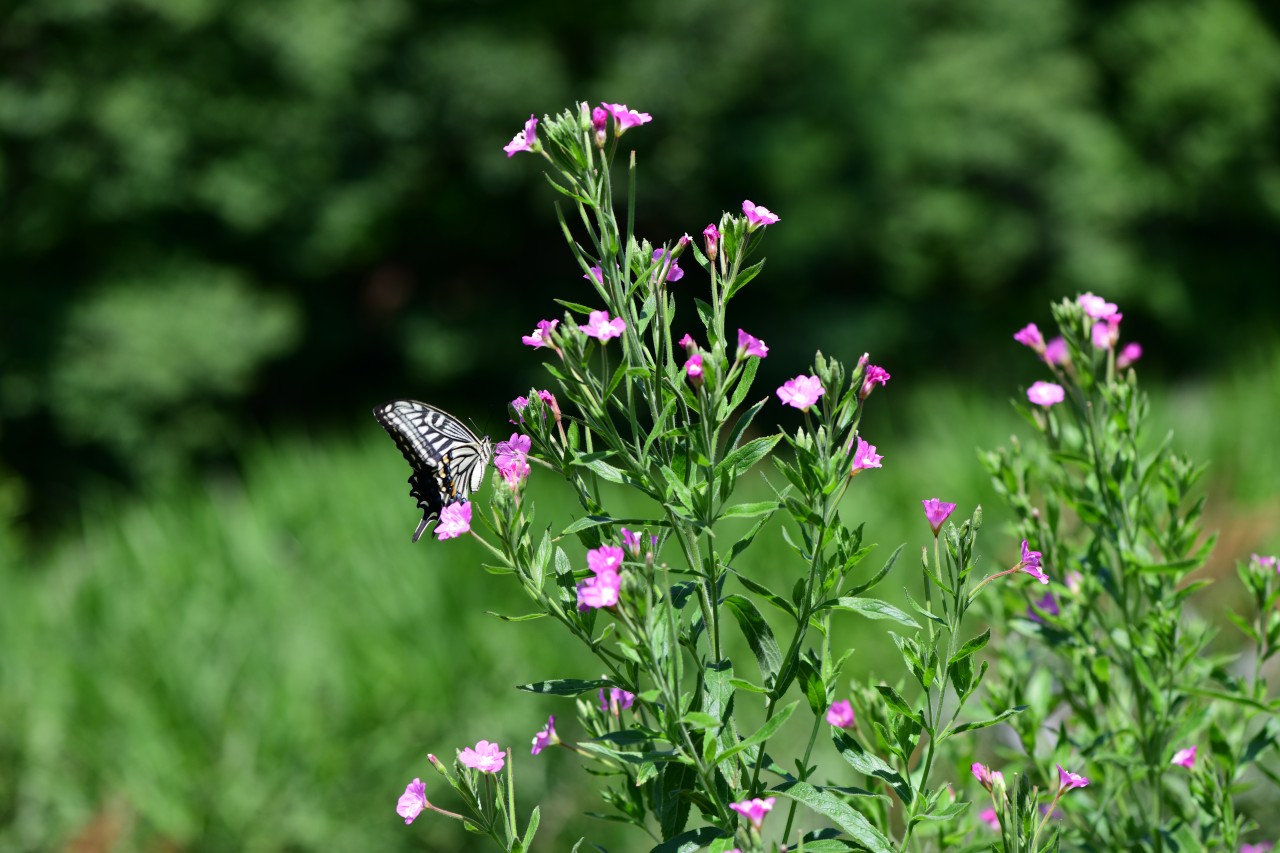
(670,803)
(871,608)
(982,724)
(528,617)
(870,764)
(748,454)
(700,720)
(574,306)
(742,279)
(565,686)
(535,818)
(602,468)
(759,635)
(969,648)
(750,510)
(586,523)
(839,812)
(691,841)
(896,702)
(766,593)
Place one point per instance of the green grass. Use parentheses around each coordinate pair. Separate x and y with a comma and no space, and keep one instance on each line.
(262,664)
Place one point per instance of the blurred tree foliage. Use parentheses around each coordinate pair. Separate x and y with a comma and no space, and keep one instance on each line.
(218,211)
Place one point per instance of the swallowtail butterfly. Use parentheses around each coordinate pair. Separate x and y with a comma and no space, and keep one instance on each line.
(448,461)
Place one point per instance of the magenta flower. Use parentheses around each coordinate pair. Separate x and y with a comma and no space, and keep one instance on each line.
(989,817)
(412,801)
(865,457)
(520,404)
(599,591)
(486,757)
(1068,780)
(687,343)
(618,700)
(1106,333)
(514,449)
(758,216)
(873,377)
(541,336)
(631,541)
(602,328)
(594,274)
(801,392)
(1046,394)
(711,240)
(545,737)
(525,140)
(455,520)
(936,512)
(1096,307)
(1132,352)
(606,558)
(1048,603)
(1029,335)
(840,714)
(1056,352)
(754,810)
(515,474)
(1267,562)
(749,345)
(599,118)
(674,273)
(624,118)
(986,775)
(1185,757)
(1030,563)
(693,366)
(1260,847)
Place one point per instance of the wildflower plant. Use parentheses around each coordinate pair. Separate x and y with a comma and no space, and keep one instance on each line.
(684,730)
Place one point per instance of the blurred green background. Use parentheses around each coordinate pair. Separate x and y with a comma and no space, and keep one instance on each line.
(227,229)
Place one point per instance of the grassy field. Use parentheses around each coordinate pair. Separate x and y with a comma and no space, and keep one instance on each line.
(262,662)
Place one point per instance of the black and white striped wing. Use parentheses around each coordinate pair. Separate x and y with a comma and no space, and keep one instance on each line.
(448,460)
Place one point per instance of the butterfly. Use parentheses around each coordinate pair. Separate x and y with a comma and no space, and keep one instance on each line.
(448,460)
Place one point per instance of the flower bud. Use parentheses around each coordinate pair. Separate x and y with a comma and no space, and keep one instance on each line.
(711,237)
(599,120)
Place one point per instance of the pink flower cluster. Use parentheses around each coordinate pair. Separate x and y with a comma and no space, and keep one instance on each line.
(455,520)
(601,590)
(840,714)
(511,458)
(486,757)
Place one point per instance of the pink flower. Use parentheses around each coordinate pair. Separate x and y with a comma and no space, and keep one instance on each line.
(514,449)
(1030,563)
(541,336)
(873,376)
(1185,757)
(594,274)
(865,457)
(525,140)
(1068,780)
(599,591)
(801,392)
(1056,352)
(687,343)
(520,404)
(1074,580)
(545,737)
(674,273)
(1267,562)
(840,714)
(606,558)
(711,239)
(486,757)
(602,328)
(1046,394)
(986,775)
(1096,307)
(412,801)
(624,118)
(516,473)
(1029,335)
(1132,352)
(631,542)
(754,810)
(758,216)
(618,700)
(936,512)
(1106,333)
(693,366)
(989,817)
(599,116)
(1260,847)
(455,520)
(1048,603)
(749,345)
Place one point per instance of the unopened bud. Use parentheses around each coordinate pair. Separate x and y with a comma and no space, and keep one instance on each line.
(711,236)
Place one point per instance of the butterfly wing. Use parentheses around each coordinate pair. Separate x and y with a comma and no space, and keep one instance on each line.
(448,459)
